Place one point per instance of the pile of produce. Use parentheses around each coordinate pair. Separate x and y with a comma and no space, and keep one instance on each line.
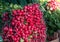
(24,25)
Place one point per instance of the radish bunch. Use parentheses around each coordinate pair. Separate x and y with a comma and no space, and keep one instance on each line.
(53,5)
(26,24)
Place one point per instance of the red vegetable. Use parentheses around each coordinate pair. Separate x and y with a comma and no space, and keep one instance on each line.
(25,23)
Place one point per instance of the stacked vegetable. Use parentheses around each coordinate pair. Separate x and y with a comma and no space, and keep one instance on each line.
(26,24)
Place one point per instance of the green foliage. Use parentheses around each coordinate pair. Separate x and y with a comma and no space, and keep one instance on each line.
(52,18)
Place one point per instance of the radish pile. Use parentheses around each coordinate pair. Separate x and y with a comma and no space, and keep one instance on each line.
(26,24)
(53,5)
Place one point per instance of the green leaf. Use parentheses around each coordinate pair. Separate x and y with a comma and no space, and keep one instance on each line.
(15,6)
(23,2)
